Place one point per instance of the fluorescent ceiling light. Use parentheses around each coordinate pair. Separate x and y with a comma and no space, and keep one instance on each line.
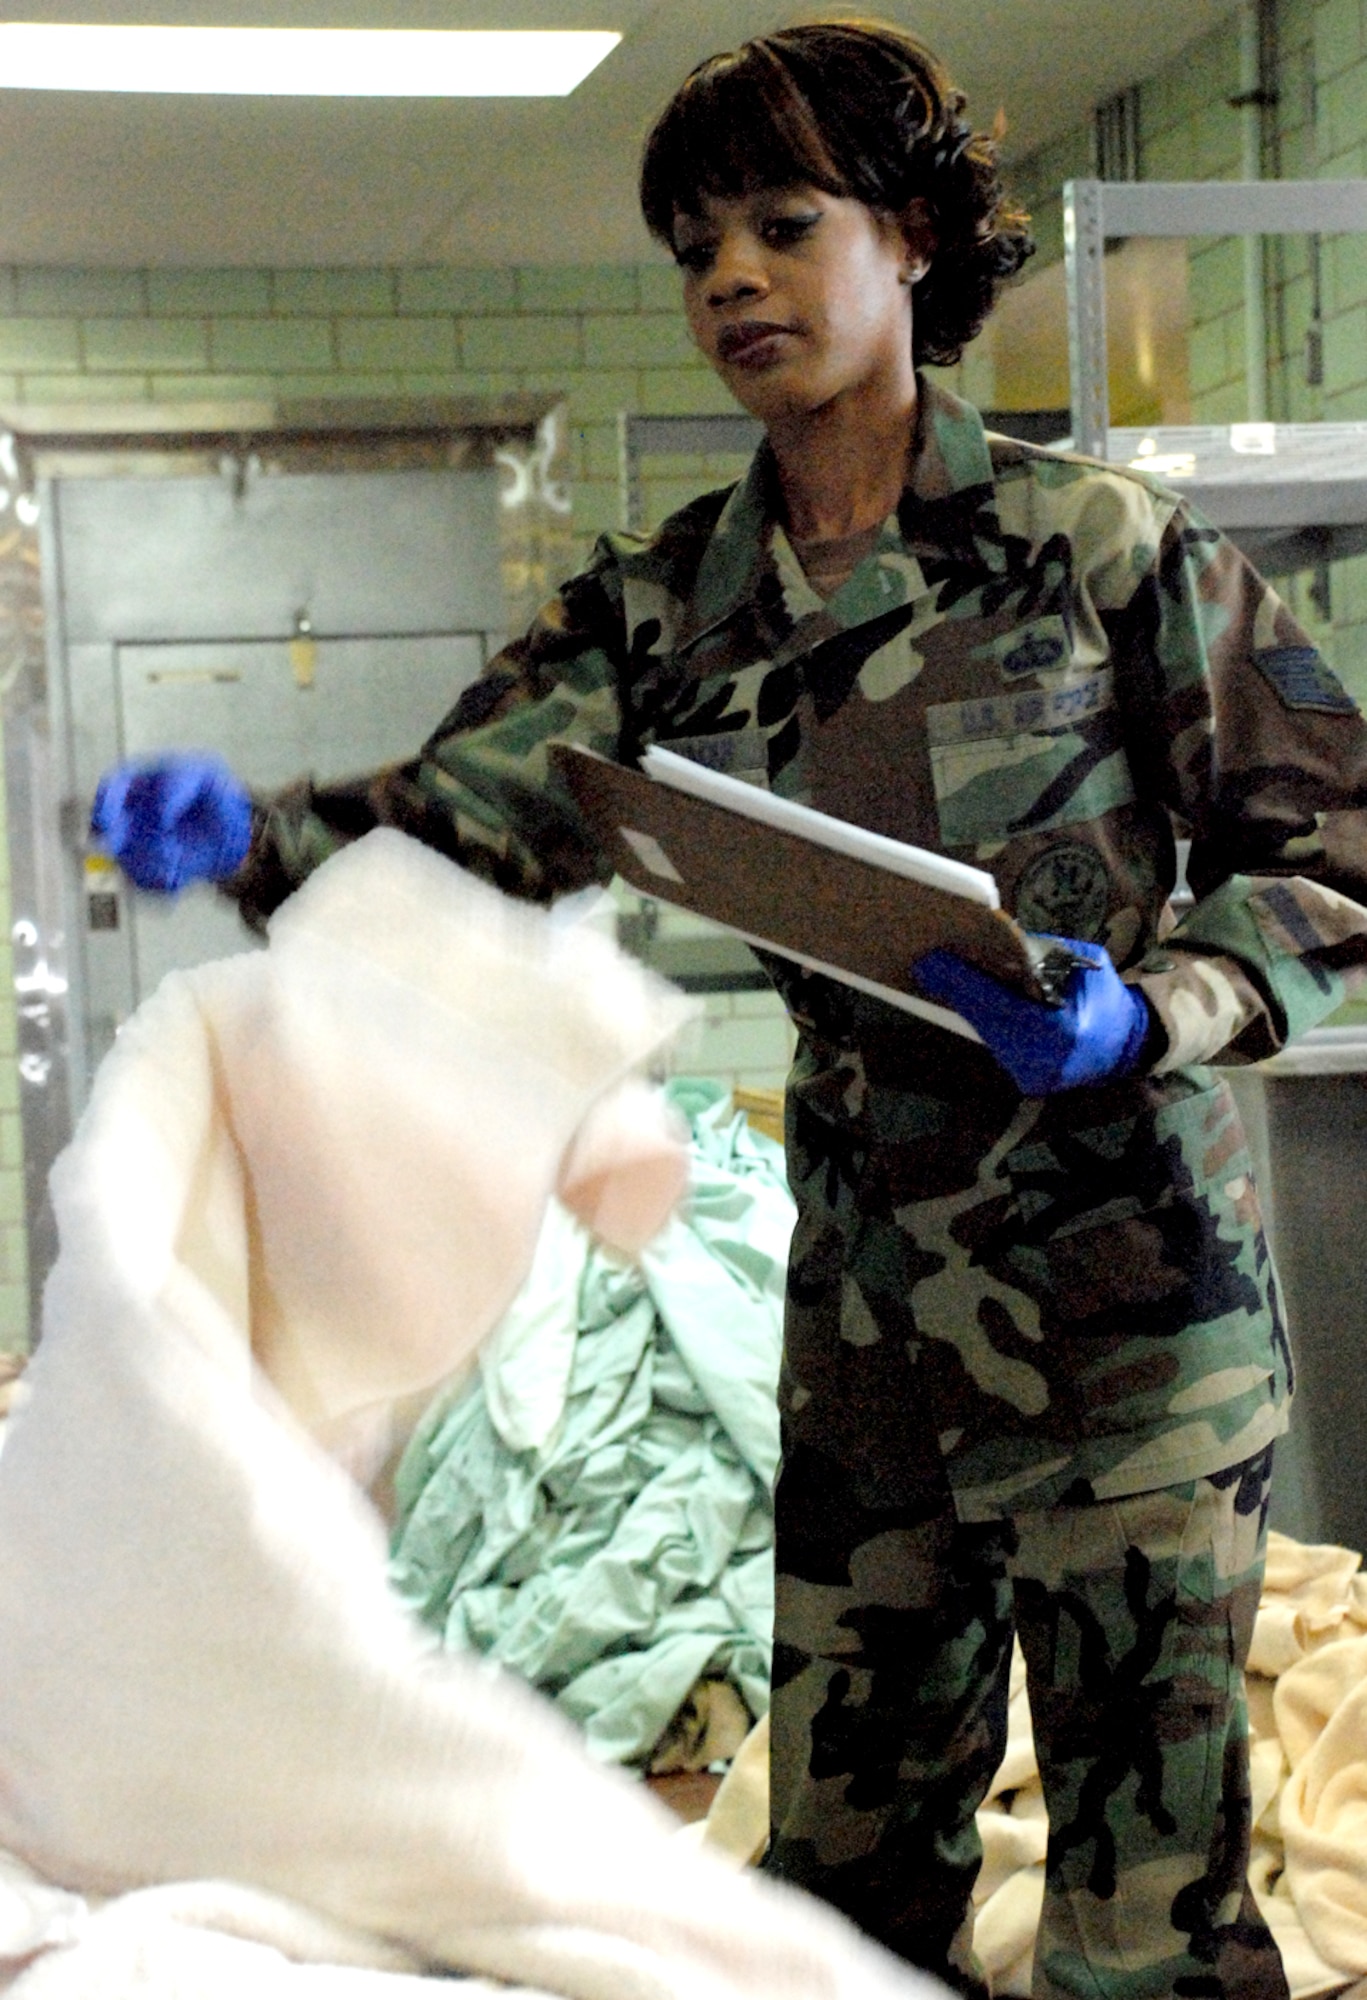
(301,62)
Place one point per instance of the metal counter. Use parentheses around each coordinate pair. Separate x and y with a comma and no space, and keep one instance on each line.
(1306,1114)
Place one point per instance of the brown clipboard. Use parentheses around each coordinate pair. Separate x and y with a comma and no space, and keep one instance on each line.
(849,917)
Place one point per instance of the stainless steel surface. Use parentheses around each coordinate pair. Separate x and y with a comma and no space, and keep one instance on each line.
(239,555)
(661,437)
(1231,208)
(1084,250)
(1259,474)
(1308,1135)
(38,945)
(1257,83)
(1291,495)
(293,621)
(372,701)
(734,432)
(474,568)
(1094,210)
(1322,1052)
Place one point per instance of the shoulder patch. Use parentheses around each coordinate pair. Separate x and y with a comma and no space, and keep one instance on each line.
(1304,679)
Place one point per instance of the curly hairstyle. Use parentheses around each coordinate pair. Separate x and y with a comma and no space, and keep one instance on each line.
(857,108)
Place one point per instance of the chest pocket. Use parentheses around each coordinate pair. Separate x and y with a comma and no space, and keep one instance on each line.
(1021,763)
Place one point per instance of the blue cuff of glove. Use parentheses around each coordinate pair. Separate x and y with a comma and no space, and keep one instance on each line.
(1099,1029)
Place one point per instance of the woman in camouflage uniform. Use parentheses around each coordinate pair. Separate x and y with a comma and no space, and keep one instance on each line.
(1034,1362)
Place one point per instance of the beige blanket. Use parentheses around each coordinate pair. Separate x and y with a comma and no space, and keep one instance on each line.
(336,1154)
(1307,1686)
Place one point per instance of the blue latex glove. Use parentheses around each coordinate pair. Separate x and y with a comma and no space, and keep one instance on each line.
(1098,1029)
(177,819)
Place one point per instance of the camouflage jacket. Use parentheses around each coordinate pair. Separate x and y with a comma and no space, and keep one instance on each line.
(1052,669)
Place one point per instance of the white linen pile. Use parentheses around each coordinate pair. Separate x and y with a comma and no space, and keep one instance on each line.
(337,1153)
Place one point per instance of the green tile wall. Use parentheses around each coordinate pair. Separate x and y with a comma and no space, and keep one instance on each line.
(607,338)
(1189,131)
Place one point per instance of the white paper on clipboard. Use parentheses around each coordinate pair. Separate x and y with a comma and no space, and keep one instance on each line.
(936,871)
(841,836)
(848,903)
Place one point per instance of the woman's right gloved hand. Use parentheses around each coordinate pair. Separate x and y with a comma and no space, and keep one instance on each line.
(172,820)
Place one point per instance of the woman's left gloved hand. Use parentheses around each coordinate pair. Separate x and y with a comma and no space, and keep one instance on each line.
(1098,1030)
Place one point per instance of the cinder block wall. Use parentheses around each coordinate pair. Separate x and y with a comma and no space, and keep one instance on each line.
(606,339)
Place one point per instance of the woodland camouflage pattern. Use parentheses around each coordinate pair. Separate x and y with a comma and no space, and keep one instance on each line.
(889,1722)
(1044,668)
(1002,1311)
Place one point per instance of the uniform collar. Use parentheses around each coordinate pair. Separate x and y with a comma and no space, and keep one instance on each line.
(947,509)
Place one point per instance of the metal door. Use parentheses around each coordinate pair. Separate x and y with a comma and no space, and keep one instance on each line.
(364,702)
(295,623)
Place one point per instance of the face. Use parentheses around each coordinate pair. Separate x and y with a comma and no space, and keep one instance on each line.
(798,297)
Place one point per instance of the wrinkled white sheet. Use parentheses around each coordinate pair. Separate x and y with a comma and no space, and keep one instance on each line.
(207,1681)
(406,1074)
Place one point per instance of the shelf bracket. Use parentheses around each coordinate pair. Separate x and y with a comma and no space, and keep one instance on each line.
(1085,247)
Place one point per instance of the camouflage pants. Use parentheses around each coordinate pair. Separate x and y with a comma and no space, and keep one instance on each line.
(892,1655)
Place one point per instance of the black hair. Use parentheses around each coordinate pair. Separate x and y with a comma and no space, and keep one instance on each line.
(857,108)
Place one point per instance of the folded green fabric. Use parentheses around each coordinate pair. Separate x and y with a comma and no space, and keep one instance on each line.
(594,1511)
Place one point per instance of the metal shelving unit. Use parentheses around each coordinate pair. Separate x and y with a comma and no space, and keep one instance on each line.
(1291,495)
